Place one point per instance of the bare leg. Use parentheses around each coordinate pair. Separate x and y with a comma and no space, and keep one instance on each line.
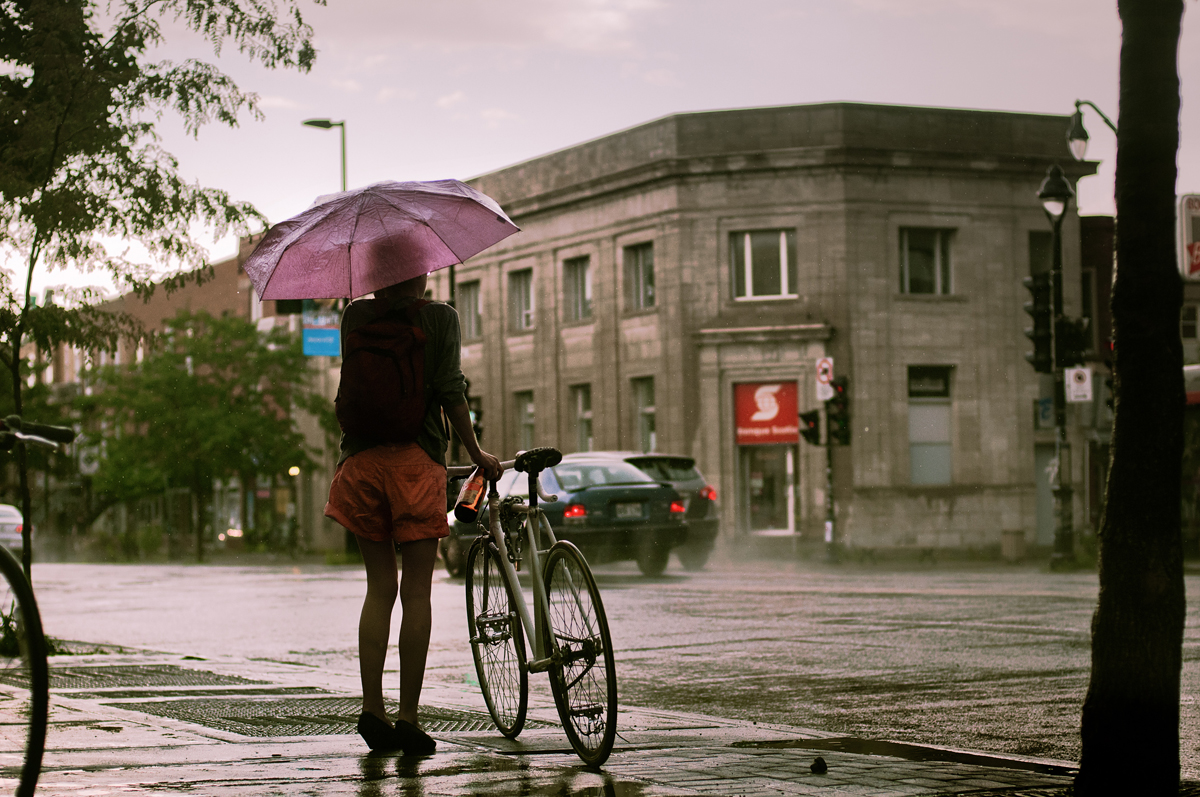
(375,622)
(415,583)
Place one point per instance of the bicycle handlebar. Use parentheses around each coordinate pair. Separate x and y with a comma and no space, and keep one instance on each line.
(462,471)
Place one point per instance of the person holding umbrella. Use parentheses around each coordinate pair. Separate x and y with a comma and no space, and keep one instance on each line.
(389,488)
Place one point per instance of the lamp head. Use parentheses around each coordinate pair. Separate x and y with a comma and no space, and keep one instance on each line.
(1077,136)
(324,124)
(1055,193)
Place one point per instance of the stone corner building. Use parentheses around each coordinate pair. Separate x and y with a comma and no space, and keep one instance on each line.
(675,283)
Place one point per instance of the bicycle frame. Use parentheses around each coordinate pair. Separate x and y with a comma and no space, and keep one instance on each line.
(534,519)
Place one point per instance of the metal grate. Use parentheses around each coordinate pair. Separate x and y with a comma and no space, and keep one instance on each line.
(317,716)
(254,691)
(136,675)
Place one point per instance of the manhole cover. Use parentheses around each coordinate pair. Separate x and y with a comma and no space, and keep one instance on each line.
(317,716)
(136,675)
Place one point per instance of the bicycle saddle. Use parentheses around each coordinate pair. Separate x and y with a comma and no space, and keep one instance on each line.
(536,460)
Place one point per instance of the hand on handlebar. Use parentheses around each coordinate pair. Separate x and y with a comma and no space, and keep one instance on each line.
(491,466)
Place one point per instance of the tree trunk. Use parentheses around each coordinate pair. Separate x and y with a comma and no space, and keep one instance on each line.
(1130,725)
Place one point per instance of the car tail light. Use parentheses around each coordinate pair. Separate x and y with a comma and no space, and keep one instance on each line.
(677,506)
(575,513)
(709,493)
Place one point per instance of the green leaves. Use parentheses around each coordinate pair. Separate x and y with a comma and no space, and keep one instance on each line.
(211,398)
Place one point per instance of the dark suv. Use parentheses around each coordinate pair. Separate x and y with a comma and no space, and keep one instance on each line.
(612,510)
(697,496)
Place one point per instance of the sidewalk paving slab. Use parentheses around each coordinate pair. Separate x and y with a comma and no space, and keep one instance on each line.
(158,724)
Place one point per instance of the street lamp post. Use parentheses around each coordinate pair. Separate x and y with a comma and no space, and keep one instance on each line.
(1056,194)
(1077,135)
(326,124)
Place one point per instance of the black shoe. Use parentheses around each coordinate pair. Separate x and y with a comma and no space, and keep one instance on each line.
(378,734)
(414,740)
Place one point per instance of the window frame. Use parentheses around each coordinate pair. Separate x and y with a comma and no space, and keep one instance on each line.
(470,318)
(927,395)
(576,295)
(788,265)
(640,293)
(581,402)
(645,414)
(524,418)
(943,265)
(518,315)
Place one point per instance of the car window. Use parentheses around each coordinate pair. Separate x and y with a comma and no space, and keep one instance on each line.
(669,469)
(579,475)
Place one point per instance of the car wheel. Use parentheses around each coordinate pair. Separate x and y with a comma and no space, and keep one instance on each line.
(693,559)
(452,556)
(652,559)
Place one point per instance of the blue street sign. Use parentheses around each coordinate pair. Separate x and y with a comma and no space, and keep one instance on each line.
(322,342)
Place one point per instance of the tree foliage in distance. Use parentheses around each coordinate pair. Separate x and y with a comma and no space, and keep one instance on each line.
(80,162)
(1130,722)
(212,398)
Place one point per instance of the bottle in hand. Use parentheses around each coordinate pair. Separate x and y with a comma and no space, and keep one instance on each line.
(470,497)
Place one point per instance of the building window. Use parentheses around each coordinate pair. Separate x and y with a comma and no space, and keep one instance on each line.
(470,313)
(520,299)
(643,405)
(929,424)
(1188,322)
(1041,252)
(581,400)
(763,264)
(577,288)
(523,402)
(639,276)
(925,261)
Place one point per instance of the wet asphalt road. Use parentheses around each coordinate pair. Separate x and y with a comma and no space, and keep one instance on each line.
(990,658)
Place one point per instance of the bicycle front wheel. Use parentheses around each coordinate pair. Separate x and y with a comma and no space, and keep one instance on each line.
(24,677)
(497,638)
(584,681)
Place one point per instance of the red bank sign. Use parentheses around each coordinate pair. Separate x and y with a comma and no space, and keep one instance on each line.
(766,412)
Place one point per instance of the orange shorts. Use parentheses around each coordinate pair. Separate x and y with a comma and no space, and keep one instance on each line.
(390,492)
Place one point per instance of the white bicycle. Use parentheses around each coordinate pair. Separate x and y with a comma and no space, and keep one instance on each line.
(567,625)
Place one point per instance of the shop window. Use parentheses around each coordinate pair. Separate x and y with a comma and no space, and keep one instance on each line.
(925,261)
(763,263)
(523,404)
(520,299)
(643,402)
(929,433)
(577,288)
(470,311)
(639,277)
(581,401)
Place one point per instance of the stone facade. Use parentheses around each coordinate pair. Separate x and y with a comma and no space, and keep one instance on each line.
(848,183)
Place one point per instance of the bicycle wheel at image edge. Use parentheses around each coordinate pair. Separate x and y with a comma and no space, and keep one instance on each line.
(585,683)
(497,638)
(24,679)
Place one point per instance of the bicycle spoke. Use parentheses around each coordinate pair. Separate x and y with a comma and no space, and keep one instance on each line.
(497,642)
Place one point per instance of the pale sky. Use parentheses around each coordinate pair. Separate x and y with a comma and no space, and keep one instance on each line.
(456,88)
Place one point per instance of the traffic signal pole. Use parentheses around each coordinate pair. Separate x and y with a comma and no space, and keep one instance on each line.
(831,547)
(1060,478)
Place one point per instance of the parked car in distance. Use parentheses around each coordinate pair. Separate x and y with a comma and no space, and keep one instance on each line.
(10,528)
(696,494)
(610,509)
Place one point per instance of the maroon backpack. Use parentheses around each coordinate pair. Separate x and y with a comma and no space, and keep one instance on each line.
(381,394)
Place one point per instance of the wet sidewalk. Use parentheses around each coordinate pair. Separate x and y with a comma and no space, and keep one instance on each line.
(134,723)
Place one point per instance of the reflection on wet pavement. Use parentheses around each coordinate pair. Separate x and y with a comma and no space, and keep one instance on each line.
(483,776)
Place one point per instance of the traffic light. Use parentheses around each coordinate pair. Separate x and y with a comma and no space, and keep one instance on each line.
(810,426)
(837,413)
(1074,341)
(1040,308)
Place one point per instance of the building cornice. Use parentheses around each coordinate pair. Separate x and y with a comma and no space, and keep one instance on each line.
(775,333)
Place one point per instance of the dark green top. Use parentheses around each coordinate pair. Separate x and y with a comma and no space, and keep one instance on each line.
(445,385)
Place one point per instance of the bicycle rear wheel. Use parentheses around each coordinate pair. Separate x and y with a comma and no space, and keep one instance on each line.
(497,638)
(584,683)
(24,678)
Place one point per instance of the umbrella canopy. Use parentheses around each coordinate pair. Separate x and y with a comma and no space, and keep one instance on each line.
(354,243)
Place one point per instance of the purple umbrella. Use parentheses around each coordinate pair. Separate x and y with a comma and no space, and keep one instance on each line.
(356,242)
